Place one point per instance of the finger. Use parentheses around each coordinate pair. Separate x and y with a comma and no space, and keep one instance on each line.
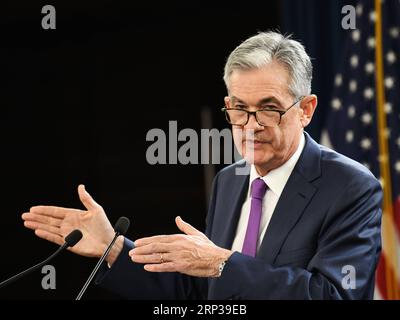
(51,211)
(187,228)
(86,198)
(150,258)
(161,238)
(56,238)
(154,248)
(162,267)
(27,216)
(36,225)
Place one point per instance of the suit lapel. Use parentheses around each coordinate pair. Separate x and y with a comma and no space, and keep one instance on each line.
(295,197)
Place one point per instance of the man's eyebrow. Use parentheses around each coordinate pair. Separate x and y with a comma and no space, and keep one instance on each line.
(236,99)
(261,102)
(269,100)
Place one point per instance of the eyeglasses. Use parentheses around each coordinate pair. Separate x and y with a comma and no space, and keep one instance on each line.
(264,117)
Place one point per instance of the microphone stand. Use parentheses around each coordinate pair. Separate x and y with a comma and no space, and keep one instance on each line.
(89,280)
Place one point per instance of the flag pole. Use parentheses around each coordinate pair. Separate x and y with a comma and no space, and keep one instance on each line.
(391,265)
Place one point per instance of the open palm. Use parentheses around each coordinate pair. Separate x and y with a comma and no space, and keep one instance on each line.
(54,223)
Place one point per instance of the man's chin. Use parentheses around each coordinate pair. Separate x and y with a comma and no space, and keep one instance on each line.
(257,159)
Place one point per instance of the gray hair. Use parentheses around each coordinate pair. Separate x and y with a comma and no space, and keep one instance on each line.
(265,47)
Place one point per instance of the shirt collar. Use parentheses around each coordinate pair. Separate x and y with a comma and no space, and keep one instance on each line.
(276,179)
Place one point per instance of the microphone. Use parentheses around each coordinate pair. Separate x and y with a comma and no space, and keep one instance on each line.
(70,240)
(120,228)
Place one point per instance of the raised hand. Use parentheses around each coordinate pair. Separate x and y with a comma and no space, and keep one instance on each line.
(54,223)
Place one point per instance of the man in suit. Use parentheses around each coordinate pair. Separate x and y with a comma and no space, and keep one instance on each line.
(303,223)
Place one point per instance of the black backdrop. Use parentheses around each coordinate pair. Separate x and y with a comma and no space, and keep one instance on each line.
(77,102)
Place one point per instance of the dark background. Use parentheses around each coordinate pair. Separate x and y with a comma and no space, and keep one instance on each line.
(78,101)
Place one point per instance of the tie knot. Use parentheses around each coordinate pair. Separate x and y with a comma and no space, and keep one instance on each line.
(258,188)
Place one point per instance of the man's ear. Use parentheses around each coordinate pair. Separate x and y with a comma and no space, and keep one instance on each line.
(308,106)
(227,101)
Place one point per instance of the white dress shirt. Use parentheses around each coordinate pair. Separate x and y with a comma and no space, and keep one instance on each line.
(276,180)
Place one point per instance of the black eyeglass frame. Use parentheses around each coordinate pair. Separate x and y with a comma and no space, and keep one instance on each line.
(254,113)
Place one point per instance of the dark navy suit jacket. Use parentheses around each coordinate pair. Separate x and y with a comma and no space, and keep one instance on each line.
(323,234)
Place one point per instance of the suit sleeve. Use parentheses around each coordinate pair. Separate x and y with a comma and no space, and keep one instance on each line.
(348,249)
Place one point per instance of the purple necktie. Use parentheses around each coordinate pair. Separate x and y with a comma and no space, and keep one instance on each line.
(258,189)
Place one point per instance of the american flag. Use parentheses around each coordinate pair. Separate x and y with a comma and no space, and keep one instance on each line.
(364,118)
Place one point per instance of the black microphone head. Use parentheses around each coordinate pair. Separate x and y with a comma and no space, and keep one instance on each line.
(122,225)
(73,238)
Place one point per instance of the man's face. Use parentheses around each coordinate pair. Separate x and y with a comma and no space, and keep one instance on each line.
(265,88)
